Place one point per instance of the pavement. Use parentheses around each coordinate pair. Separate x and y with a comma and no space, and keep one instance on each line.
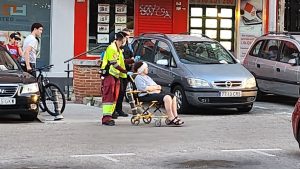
(80,113)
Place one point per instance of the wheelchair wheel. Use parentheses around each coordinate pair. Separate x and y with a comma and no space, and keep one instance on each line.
(158,123)
(147,120)
(167,121)
(135,121)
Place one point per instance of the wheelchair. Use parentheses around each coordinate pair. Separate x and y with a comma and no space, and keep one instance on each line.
(140,110)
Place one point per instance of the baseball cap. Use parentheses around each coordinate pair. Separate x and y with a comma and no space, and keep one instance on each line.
(15,36)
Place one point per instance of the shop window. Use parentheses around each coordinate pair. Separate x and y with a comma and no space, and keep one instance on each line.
(217,23)
(196,32)
(225,34)
(211,33)
(226,23)
(106,18)
(212,12)
(226,13)
(196,22)
(211,23)
(196,12)
(226,44)
(27,13)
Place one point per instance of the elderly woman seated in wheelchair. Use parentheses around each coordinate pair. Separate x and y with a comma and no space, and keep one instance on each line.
(152,92)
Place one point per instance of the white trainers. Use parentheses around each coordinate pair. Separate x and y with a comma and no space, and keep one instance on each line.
(59,117)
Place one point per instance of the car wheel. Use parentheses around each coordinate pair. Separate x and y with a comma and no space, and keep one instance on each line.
(260,95)
(181,99)
(28,117)
(246,108)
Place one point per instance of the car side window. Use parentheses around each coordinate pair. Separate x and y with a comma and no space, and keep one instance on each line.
(162,52)
(289,52)
(135,46)
(148,50)
(271,50)
(256,49)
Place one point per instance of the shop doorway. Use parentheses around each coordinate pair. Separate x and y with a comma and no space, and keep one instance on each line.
(292,15)
(217,22)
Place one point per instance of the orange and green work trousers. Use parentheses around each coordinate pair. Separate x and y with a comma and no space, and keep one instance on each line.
(110,93)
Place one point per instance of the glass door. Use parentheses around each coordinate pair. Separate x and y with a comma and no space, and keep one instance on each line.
(215,22)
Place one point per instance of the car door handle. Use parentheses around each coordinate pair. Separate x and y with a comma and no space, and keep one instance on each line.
(278,69)
(258,65)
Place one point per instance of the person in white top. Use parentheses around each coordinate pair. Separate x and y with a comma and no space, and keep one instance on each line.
(30,47)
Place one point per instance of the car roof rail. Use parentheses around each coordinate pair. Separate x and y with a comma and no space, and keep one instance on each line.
(286,33)
(154,33)
(189,33)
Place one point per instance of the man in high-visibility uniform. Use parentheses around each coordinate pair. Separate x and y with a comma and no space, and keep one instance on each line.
(110,84)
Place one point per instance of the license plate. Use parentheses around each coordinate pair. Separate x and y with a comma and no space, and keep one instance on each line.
(7,101)
(231,94)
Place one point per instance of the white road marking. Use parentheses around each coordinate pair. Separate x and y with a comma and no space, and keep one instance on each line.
(258,151)
(106,156)
(262,107)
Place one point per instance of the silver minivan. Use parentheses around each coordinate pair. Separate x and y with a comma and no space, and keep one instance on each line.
(274,61)
(198,70)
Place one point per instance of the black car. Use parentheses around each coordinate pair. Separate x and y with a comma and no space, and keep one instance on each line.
(19,91)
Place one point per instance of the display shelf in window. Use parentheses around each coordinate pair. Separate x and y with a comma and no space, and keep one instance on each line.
(103,38)
(120,27)
(120,18)
(103,8)
(120,8)
(103,28)
(103,18)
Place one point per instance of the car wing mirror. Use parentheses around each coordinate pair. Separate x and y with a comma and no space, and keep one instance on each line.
(292,62)
(163,62)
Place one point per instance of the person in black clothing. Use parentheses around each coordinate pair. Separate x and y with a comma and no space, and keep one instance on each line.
(127,52)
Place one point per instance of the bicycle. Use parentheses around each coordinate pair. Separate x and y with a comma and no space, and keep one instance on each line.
(52,99)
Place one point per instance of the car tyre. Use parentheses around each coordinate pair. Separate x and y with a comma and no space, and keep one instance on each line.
(28,117)
(260,95)
(246,108)
(182,104)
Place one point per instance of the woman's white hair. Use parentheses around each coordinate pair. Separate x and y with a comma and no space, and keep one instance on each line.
(142,68)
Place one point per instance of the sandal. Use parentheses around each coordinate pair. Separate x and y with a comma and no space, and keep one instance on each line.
(179,119)
(175,122)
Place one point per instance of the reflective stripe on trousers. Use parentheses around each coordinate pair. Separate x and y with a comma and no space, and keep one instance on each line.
(110,93)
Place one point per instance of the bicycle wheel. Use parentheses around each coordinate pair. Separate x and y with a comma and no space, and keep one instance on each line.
(49,102)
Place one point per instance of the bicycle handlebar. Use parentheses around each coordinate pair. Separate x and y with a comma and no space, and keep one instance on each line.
(43,68)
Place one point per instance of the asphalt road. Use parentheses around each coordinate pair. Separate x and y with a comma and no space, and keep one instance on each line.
(210,138)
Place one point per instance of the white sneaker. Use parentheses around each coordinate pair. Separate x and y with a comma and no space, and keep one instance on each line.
(59,117)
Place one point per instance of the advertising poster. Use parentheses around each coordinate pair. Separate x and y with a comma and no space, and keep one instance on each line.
(250,24)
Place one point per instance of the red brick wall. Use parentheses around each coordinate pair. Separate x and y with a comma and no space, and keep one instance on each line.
(86,82)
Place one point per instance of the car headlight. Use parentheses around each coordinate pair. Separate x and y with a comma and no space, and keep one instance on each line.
(30,88)
(197,82)
(250,83)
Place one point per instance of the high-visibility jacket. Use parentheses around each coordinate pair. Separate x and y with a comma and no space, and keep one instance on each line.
(115,58)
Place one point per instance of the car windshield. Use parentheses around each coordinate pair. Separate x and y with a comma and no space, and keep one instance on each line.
(297,37)
(192,52)
(6,61)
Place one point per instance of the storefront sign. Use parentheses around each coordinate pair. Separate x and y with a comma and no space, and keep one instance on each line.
(250,24)
(13,10)
(154,10)
(20,15)
(214,2)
